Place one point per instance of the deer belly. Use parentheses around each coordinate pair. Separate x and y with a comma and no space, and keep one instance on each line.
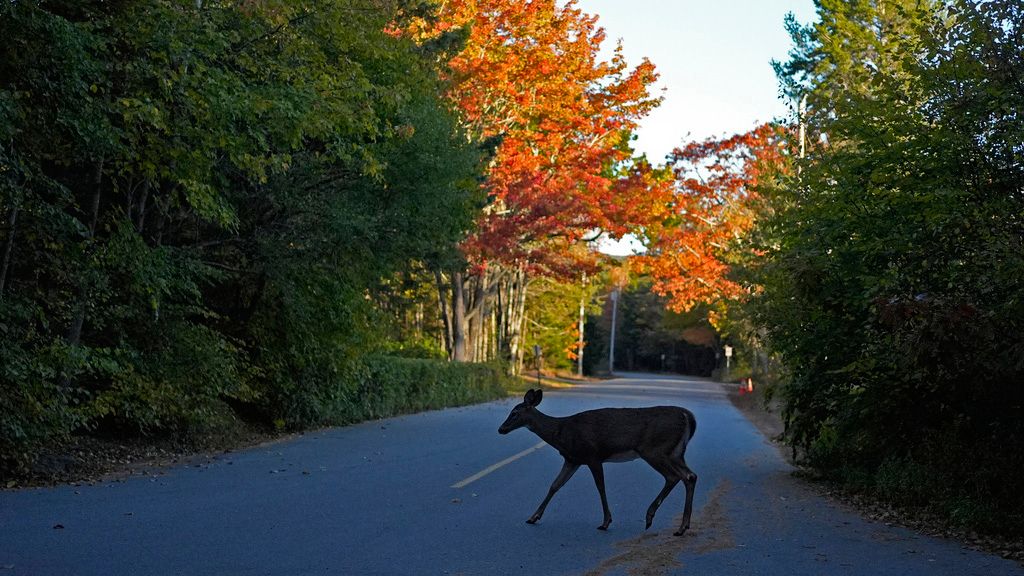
(623,456)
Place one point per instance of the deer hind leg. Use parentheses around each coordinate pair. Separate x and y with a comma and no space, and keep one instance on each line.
(563,476)
(598,471)
(690,481)
(664,467)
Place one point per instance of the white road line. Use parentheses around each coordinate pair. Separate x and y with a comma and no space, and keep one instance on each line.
(494,467)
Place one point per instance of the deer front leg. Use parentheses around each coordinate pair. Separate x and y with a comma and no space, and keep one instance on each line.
(563,476)
(670,483)
(598,471)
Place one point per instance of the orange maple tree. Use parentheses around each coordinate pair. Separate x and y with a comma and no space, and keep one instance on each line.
(713,207)
(530,75)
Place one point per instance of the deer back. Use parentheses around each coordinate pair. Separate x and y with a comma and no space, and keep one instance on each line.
(606,433)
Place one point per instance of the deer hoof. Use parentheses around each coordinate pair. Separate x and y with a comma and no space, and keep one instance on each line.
(679,532)
(603,527)
(533,519)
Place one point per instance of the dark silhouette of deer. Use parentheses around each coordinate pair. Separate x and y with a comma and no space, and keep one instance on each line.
(658,434)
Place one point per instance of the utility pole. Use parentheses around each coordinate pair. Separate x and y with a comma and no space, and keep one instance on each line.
(801,112)
(579,344)
(538,359)
(611,349)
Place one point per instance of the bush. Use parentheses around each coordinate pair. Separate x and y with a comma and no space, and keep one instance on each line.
(34,408)
(383,386)
(340,391)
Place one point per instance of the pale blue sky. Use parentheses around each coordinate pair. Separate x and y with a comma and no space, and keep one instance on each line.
(714,59)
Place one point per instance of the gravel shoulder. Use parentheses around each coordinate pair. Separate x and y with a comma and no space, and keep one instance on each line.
(768,420)
(89,460)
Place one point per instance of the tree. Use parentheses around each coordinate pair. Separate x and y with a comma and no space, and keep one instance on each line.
(529,79)
(713,207)
(891,283)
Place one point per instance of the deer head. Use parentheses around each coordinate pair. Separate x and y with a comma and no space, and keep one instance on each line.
(523,413)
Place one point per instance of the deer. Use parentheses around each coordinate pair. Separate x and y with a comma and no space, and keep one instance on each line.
(659,435)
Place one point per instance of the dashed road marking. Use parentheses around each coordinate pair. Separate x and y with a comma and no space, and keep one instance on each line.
(493,467)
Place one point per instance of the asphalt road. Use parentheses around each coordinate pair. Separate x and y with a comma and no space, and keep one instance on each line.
(378,498)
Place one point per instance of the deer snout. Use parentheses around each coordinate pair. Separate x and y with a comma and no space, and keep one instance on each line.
(510,424)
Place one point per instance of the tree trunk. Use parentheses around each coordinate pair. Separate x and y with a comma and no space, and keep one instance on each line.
(161,220)
(141,218)
(518,313)
(94,214)
(501,311)
(579,343)
(8,249)
(478,318)
(518,363)
(446,317)
(74,335)
(458,319)
(495,351)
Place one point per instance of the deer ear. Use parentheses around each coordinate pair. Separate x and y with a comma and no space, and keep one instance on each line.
(533,397)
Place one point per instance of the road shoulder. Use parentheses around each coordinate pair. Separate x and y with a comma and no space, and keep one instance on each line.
(768,420)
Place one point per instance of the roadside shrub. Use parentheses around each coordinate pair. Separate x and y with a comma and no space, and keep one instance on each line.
(386,385)
(34,408)
(158,390)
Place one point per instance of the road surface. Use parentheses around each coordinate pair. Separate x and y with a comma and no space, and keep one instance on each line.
(442,493)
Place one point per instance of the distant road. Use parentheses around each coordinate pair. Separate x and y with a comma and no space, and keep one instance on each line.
(442,493)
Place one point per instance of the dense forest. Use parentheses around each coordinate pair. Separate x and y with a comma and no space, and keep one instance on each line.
(216,205)
(298,214)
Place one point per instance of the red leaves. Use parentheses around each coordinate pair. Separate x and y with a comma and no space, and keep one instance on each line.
(715,186)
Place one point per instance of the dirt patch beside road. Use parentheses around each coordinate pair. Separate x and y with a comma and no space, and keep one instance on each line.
(657,553)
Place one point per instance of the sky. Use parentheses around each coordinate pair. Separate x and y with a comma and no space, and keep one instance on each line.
(714,58)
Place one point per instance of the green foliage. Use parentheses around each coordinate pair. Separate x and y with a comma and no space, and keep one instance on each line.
(386,386)
(203,202)
(893,286)
(34,408)
(646,329)
(381,386)
(553,315)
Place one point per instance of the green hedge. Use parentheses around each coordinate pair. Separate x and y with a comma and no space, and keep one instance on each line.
(372,387)
(385,386)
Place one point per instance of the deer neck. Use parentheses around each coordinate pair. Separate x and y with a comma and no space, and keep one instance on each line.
(549,428)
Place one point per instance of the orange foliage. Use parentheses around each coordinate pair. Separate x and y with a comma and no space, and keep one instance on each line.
(529,75)
(715,183)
